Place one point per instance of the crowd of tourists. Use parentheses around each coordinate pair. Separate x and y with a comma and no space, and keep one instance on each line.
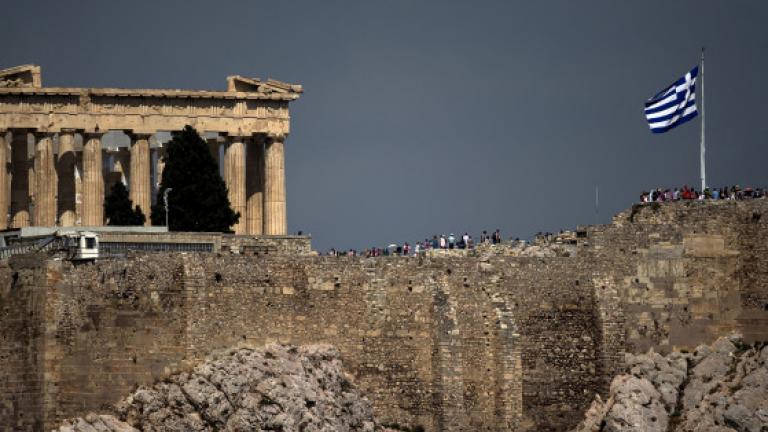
(466,241)
(450,241)
(690,193)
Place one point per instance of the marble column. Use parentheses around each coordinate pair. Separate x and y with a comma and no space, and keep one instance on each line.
(79,182)
(254,185)
(32,179)
(122,165)
(93,181)
(141,175)
(65,169)
(19,179)
(110,169)
(45,181)
(4,181)
(275,220)
(159,166)
(234,177)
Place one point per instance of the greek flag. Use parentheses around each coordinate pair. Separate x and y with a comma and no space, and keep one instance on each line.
(674,105)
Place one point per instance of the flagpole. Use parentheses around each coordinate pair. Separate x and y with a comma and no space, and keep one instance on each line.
(597,204)
(703,163)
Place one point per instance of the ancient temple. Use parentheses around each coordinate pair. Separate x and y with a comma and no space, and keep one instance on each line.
(55,169)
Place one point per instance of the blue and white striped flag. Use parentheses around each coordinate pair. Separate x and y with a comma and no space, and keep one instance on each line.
(674,105)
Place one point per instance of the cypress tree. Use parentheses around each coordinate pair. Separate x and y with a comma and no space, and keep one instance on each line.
(117,208)
(198,199)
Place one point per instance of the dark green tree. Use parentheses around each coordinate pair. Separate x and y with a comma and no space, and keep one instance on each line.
(117,208)
(198,198)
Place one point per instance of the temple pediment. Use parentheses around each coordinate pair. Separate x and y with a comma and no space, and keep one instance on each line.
(27,79)
(239,83)
(21,76)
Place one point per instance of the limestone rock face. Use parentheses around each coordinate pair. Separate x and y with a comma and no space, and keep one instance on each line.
(637,405)
(274,388)
(720,388)
(96,423)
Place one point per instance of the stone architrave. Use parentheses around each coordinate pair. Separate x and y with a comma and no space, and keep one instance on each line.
(275,220)
(65,168)
(140,190)
(45,181)
(234,177)
(254,185)
(4,181)
(19,179)
(93,181)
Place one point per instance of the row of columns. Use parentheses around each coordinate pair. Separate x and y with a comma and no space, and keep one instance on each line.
(254,172)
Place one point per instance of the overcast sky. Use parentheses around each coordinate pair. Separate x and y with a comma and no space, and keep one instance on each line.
(422,118)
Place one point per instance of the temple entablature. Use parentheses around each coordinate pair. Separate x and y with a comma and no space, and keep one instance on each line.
(249,106)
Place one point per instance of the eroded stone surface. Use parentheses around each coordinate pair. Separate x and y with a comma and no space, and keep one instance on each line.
(274,388)
(723,387)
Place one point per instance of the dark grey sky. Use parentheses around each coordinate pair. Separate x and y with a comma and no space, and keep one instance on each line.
(442,116)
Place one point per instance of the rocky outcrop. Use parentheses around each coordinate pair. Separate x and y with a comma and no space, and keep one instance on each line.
(275,388)
(719,388)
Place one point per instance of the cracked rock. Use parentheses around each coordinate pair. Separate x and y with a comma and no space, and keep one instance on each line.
(274,388)
(718,388)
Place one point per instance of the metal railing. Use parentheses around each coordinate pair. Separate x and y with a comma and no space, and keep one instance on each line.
(42,245)
(112,247)
(105,248)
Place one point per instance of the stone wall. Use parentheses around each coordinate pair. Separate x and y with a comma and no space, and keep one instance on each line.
(432,342)
(427,349)
(110,326)
(267,244)
(490,342)
(22,343)
(686,272)
(554,308)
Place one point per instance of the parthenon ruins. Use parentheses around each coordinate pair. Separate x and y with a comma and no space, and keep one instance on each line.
(56,170)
